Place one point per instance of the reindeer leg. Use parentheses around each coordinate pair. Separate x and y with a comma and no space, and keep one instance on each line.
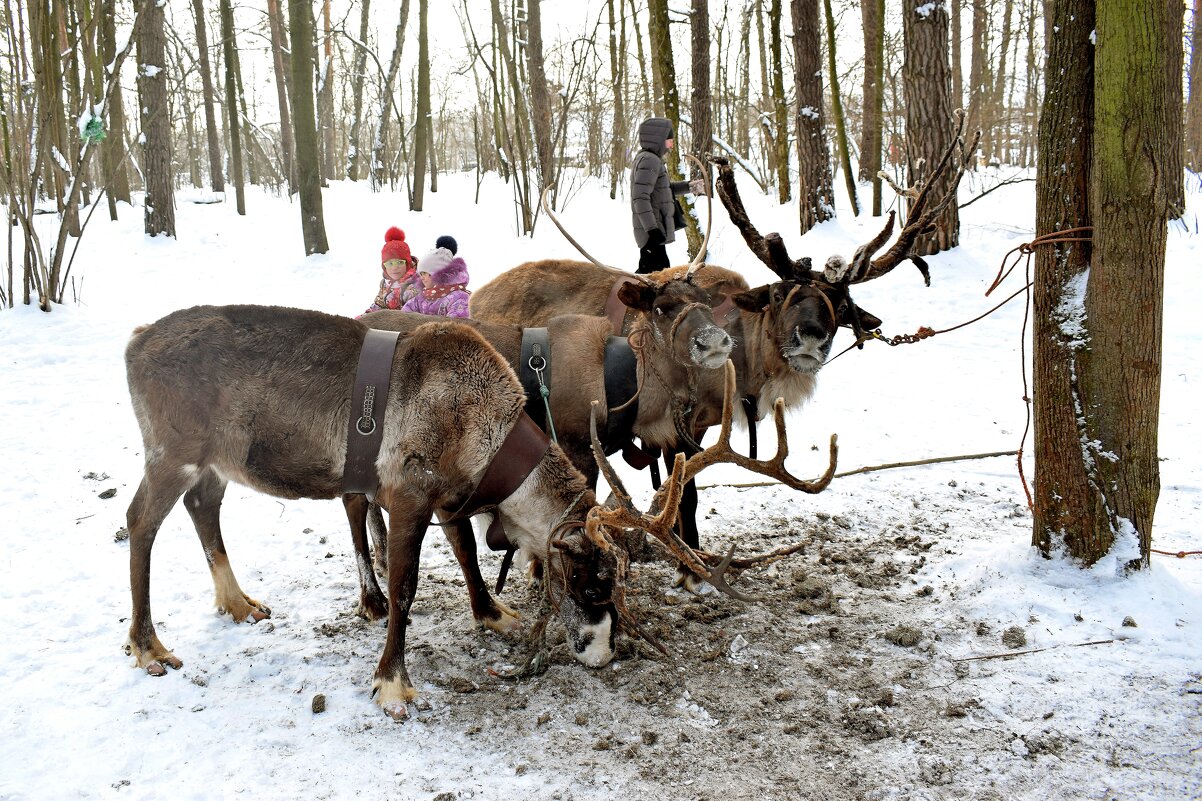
(203,502)
(379,539)
(372,603)
(151,503)
(408,519)
(487,611)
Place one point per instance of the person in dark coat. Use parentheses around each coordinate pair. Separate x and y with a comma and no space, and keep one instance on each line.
(652,204)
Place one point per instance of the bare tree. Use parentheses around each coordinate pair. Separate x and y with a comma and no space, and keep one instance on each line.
(1193,111)
(421,136)
(216,174)
(837,109)
(358,74)
(308,153)
(816,197)
(280,61)
(232,117)
(156,126)
(929,113)
(617,71)
(702,103)
(781,107)
(116,171)
(540,100)
(871,141)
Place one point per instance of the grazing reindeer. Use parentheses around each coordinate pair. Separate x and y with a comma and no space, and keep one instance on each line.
(261,396)
(782,331)
(674,339)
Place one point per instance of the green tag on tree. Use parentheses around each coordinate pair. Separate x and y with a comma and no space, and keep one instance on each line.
(94,130)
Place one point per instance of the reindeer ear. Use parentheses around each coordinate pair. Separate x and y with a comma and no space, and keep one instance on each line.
(753,300)
(572,543)
(639,297)
(868,321)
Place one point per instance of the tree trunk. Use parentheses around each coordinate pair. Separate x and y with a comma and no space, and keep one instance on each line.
(326,97)
(978,75)
(540,100)
(422,127)
(216,174)
(872,146)
(617,71)
(233,118)
(780,105)
(648,104)
(308,154)
(116,173)
(1120,373)
(1174,64)
(957,43)
(156,126)
(816,197)
(995,140)
(929,114)
(1065,502)
(743,111)
(379,158)
(280,60)
(701,106)
(1193,112)
(354,169)
(837,109)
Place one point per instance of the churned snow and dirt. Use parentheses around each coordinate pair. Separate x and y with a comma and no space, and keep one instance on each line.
(869,670)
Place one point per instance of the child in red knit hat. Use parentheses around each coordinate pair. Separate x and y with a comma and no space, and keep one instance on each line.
(399,283)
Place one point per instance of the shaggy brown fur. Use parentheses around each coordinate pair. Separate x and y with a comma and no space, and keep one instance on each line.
(261,396)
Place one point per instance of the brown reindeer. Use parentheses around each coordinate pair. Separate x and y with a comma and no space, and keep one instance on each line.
(783,331)
(261,396)
(676,344)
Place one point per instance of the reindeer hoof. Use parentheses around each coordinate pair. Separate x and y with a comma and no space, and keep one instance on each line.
(371,608)
(155,659)
(397,711)
(507,620)
(244,610)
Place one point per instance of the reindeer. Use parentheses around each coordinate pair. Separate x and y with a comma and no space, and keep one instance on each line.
(783,331)
(674,340)
(261,396)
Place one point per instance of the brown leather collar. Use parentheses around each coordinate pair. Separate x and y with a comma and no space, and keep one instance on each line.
(520,453)
(369,400)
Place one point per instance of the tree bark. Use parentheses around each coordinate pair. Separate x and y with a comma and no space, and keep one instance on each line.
(354,169)
(617,71)
(156,126)
(816,197)
(422,124)
(281,63)
(233,118)
(540,99)
(1065,502)
(837,109)
(116,173)
(779,104)
(978,75)
(379,158)
(701,106)
(326,97)
(1193,112)
(308,153)
(216,174)
(929,114)
(1133,151)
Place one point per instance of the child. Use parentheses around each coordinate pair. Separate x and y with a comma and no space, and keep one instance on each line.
(400,281)
(444,280)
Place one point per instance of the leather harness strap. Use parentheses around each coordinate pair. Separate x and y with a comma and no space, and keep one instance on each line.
(621,387)
(369,400)
(535,358)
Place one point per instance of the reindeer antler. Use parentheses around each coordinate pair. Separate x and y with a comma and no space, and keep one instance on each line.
(699,259)
(665,504)
(770,249)
(555,219)
(923,213)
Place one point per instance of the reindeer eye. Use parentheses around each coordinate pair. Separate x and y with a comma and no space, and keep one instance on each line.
(659,309)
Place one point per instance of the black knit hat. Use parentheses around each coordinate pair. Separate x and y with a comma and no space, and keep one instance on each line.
(447,242)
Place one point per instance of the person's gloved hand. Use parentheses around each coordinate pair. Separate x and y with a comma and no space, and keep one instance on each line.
(699,187)
(655,237)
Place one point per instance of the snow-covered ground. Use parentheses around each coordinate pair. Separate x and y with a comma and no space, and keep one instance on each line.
(845,685)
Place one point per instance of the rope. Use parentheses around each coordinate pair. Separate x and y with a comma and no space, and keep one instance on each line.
(1178,554)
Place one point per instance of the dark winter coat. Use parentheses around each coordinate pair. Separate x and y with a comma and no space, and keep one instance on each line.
(651,193)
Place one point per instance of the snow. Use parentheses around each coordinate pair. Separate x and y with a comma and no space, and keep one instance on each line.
(79,721)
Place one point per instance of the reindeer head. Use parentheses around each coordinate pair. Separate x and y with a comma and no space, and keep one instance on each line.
(680,316)
(803,316)
(580,579)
